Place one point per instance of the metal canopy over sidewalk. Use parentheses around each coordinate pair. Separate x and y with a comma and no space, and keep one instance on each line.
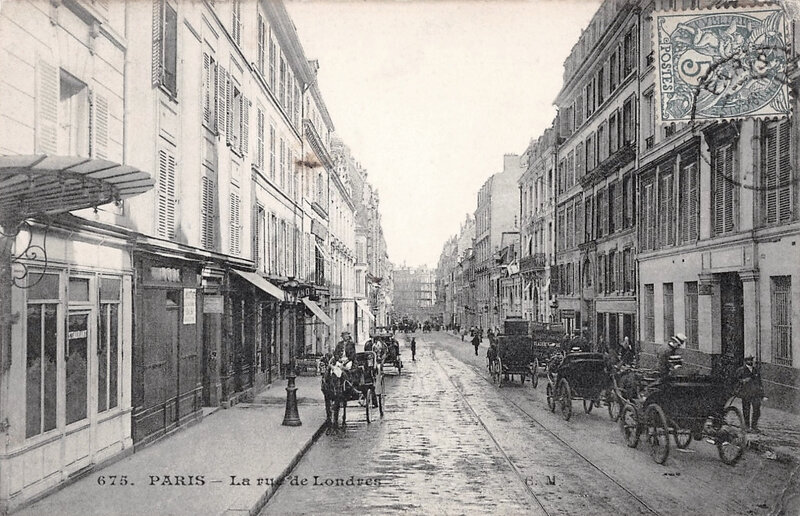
(263,284)
(365,308)
(316,310)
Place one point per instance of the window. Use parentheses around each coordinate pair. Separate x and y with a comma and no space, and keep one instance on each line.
(570,233)
(613,133)
(587,216)
(648,219)
(235,224)
(590,153)
(690,308)
(166,199)
(236,24)
(578,111)
(649,313)
(669,312)
(580,160)
(239,119)
(628,197)
(648,122)
(666,209)
(612,271)
(570,169)
(629,52)
(73,116)
(776,176)
(602,213)
(613,73)
(613,190)
(723,190)
(165,46)
(41,368)
(272,52)
(209,91)
(602,142)
(259,139)
(262,43)
(600,86)
(259,235)
(628,135)
(589,97)
(272,152)
(108,344)
(781,293)
(601,274)
(207,226)
(688,203)
(282,84)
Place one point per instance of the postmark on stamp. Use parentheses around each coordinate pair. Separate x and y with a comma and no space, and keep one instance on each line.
(721,64)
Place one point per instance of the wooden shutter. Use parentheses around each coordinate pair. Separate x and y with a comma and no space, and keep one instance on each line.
(784,172)
(244,116)
(98,125)
(228,108)
(579,236)
(618,204)
(158,42)
(724,191)
(207,214)
(235,224)
(207,89)
(47,98)
(165,220)
(222,96)
(261,44)
(260,139)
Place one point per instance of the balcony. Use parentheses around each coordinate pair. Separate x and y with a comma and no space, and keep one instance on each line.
(649,142)
(533,263)
(614,162)
(316,143)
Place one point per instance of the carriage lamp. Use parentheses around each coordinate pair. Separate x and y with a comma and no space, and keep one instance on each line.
(291,417)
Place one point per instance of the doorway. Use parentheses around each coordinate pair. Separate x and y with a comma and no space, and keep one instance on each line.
(732,318)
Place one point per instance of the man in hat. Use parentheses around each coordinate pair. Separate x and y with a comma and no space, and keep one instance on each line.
(751,391)
(668,354)
(346,346)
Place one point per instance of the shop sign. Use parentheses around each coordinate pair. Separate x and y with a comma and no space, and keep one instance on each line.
(165,274)
(189,306)
(213,304)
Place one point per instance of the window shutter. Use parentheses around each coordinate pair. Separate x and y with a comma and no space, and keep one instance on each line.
(165,223)
(692,205)
(260,139)
(579,221)
(207,89)
(784,173)
(261,44)
(221,98)
(244,115)
(47,98)
(235,224)
(618,204)
(207,215)
(228,108)
(98,125)
(730,191)
(158,42)
(718,190)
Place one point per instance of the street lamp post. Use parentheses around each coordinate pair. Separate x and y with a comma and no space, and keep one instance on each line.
(291,417)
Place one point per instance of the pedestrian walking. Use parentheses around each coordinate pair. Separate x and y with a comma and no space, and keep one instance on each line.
(413,349)
(751,391)
(476,341)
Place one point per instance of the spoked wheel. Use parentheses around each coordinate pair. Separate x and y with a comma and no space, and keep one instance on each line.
(551,399)
(629,424)
(588,405)
(535,373)
(731,437)
(382,396)
(565,397)
(657,433)
(613,405)
(367,404)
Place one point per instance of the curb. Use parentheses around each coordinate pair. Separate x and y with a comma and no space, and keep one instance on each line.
(271,490)
(780,455)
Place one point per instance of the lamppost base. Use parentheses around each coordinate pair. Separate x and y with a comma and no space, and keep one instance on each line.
(291,417)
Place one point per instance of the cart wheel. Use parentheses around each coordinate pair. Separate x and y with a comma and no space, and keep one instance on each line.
(382,396)
(629,424)
(657,433)
(614,405)
(682,436)
(535,373)
(565,397)
(588,405)
(731,437)
(551,401)
(367,405)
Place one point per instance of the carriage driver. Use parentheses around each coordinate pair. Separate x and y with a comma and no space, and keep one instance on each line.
(346,347)
(668,355)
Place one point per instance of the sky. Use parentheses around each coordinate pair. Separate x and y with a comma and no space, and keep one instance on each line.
(429,96)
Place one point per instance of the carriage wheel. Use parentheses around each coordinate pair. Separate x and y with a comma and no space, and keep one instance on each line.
(614,406)
(499,371)
(565,397)
(367,404)
(551,399)
(731,437)
(629,424)
(382,396)
(657,433)
(535,373)
(683,436)
(588,405)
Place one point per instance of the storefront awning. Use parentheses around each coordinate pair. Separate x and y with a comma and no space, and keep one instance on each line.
(365,308)
(263,284)
(316,310)
(34,185)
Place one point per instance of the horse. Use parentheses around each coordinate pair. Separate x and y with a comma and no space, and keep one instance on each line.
(337,388)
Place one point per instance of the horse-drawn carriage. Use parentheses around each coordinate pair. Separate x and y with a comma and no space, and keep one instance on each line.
(578,375)
(686,407)
(358,380)
(512,355)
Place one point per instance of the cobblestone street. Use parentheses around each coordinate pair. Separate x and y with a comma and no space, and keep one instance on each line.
(451,442)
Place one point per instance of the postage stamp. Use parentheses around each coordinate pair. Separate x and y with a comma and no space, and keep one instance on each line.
(719,64)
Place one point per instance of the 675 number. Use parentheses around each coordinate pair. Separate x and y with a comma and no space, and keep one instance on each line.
(112,480)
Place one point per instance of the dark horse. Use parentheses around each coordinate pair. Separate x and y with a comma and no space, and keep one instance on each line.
(337,390)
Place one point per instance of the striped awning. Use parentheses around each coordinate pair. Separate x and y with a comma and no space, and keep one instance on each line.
(365,308)
(33,185)
(317,310)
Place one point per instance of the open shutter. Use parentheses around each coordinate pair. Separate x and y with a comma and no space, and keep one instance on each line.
(207,215)
(260,139)
(694,203)
(47,96)
(235,224)
(784,173)
(158,42)
(98,126)
(228,108)
(718,191)
(730,191)
(244,114)
(162,216)
(207,89)
(222,96)
(770,177)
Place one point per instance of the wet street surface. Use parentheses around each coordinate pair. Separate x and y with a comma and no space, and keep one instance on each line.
(453,443)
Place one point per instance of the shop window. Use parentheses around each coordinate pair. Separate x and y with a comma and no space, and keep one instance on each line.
(41,369)
(79,290)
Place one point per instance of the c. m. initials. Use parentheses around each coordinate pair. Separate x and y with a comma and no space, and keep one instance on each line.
(551,481)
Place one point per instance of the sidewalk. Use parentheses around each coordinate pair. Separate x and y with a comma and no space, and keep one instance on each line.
(780,430)
(247,440)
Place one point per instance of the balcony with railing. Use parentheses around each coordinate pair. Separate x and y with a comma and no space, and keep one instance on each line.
(613,162)
(533,263)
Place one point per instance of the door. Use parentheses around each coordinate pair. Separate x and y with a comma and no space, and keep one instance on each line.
(732,319)
(171,346)
(613,331)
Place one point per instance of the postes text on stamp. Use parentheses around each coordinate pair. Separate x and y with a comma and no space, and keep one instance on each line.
(718,64)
